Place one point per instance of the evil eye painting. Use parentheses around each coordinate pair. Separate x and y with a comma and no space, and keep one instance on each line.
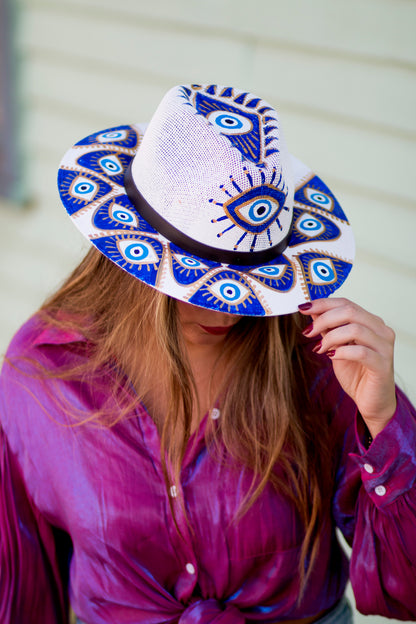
(119,214)
(107,163)
(79,189)
(188,268)
(228,291)
(260,209)
(322,274)
(313,227)
(315,194)
(249,209)
(278,275)
(247,121)
(139,256)
(125,137)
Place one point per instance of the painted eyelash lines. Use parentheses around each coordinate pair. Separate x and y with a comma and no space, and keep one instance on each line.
(254,210)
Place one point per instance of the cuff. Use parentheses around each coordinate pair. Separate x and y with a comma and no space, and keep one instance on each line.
(388,466)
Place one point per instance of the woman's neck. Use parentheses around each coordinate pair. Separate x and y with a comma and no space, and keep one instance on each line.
(207,373)
(207,370)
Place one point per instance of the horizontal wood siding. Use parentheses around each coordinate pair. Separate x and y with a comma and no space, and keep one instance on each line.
(342,75)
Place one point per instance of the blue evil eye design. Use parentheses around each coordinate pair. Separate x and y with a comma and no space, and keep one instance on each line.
(274,270)
(316,194)
(78,190)
(259,211)
(123,215)
(186,268)
(279,277)
(110,164)
(322,271)
(138,252)
(83,188)
(119,214)
(322,200)
(278,274)
(230,123)
(190,263)
(139,256)
(241,127)
(323,274)
(309,227)
(122,136)
(111,136)
(256,209)
(227,291)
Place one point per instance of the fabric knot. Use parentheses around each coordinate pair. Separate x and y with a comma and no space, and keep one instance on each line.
(211,612)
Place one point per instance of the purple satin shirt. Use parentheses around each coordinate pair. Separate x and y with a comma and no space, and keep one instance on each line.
(85,510)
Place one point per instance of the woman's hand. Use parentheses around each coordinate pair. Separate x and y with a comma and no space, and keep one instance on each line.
(360,346)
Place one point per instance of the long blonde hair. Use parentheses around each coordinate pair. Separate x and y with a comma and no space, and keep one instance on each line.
(132,328)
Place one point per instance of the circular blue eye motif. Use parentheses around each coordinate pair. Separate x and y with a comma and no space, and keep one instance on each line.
(320,199)
(272,270)
(111,165)
(230,123)
(322,271)
(112,135)
(229,291)
(310,226)
(138,253)
(259,211)
(190,263)
(83,188)
(123,215)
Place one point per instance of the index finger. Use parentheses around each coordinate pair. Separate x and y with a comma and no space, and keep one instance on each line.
(330,313)
(318,306)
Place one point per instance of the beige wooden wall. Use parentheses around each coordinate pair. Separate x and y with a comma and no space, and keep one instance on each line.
(341,73)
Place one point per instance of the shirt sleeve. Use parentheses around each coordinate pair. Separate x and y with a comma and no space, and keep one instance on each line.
(375,507)
(34,553)
(31,589)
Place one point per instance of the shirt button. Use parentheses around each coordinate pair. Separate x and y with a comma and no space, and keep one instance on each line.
(380,490)
(190,568)
(173,491)
(368,468)
(215,413)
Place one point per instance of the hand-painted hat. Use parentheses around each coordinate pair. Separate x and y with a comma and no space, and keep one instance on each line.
(206,204)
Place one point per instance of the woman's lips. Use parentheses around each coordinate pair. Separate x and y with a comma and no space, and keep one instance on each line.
(217,331)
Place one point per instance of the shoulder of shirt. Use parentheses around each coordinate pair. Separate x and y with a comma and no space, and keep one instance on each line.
(37,333)
(30,342)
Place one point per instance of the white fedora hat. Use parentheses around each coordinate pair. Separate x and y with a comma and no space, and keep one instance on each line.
(206,204)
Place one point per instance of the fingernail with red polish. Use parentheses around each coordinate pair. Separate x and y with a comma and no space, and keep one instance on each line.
(305,306)
(330,353)
(308,329)
(317,347)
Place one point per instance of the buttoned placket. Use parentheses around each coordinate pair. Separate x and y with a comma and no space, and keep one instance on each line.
(182,546)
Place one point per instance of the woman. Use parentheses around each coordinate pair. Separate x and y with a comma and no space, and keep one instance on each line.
(179,442)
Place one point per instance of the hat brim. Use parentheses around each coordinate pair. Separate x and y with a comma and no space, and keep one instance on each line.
(316,261)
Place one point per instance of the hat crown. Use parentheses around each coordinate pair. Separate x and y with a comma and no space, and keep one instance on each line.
(214,166)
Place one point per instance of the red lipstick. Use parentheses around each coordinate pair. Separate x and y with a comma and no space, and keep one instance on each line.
(217,331)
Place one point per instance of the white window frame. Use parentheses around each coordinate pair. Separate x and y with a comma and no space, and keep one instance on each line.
(9,171)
